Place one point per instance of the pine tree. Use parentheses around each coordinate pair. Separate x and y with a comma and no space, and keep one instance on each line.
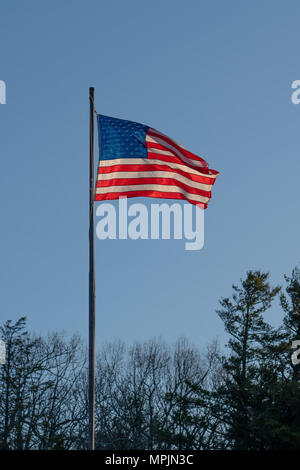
(241,398)
(290,303)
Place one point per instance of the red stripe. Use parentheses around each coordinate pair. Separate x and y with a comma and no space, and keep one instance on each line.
(185,152)
(175,159)
(171,158)
(148,193)
(162,181)
(154,167)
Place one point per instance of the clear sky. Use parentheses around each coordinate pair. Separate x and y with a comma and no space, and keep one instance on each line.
(215,76)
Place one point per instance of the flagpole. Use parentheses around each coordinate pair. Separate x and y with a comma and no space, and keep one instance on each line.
(91,392)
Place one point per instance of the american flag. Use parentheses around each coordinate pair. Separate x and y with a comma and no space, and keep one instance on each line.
(137,160)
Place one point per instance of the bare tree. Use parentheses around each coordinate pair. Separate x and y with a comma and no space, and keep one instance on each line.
(38,386)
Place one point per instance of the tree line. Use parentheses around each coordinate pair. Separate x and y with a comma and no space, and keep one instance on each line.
(152,395)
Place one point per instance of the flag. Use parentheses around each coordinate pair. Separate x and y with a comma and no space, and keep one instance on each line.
(137,160)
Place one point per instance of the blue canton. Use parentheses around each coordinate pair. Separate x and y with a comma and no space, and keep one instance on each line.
(121,139)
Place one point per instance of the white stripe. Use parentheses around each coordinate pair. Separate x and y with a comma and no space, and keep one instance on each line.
(149,162)
(175,151)
(162,152)
(160,134)
(151,187)
(154,174)
(180,155)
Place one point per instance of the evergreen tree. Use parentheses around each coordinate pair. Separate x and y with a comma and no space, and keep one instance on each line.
(290,303)
(240,400)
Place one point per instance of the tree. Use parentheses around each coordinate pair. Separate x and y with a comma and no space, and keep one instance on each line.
(290,303)
(241,396)
(188,423)
(142,396)
(38,389)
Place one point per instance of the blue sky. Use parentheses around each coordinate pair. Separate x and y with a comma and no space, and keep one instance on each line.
(215,76)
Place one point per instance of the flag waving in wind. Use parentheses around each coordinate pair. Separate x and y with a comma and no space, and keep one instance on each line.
(136,160)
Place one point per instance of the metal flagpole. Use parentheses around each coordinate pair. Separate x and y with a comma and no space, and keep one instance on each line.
(91,393)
